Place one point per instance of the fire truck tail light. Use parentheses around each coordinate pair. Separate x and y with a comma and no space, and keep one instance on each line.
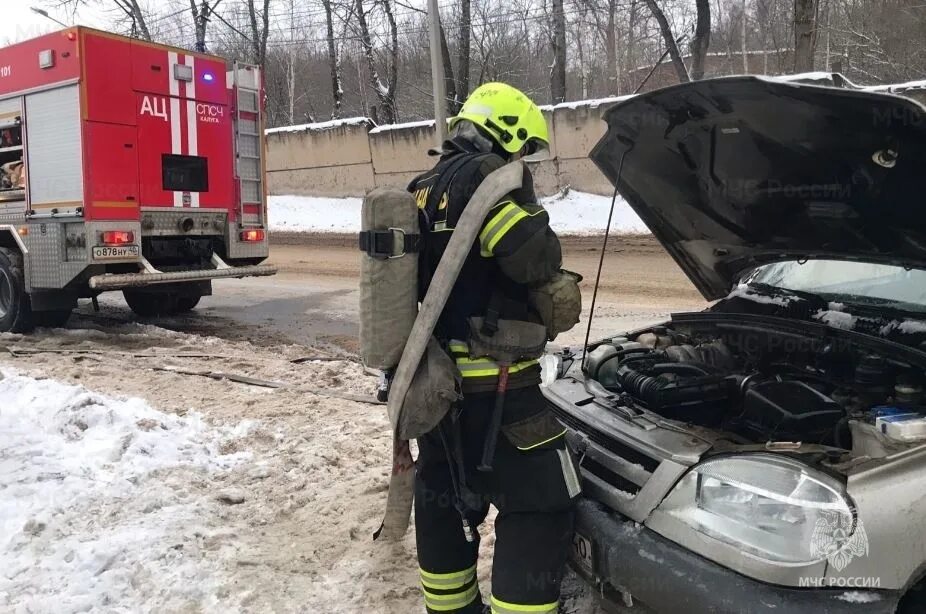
(252,236)
(118,237)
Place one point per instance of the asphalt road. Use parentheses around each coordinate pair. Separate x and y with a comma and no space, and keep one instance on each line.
(313,300)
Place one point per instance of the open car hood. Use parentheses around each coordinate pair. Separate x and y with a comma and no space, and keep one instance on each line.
(736,172)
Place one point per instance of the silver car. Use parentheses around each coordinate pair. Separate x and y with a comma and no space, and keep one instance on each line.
(768,454)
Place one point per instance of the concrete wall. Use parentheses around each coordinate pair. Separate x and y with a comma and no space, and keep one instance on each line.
(328,159)
(350,157)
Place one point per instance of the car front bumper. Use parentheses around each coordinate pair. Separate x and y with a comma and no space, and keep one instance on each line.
(665,577)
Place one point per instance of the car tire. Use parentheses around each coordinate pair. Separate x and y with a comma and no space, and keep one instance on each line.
(15,308)
(150,304)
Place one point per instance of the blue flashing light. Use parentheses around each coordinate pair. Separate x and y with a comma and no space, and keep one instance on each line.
(208,76)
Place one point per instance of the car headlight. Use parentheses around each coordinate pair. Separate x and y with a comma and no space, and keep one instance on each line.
(763,504)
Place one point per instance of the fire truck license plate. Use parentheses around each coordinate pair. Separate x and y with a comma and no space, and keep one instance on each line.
(582,554)
(112,253)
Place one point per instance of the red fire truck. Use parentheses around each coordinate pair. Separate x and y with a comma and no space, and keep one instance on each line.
(125,165)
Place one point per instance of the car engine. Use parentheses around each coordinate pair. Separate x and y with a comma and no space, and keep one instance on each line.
(767,386)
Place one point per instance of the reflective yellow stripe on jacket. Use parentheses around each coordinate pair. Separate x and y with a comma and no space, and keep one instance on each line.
(483,367)
(501,219)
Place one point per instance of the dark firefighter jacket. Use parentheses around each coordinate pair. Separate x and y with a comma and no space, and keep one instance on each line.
(516,249)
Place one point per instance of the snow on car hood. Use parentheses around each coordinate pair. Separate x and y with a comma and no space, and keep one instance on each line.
(736,172)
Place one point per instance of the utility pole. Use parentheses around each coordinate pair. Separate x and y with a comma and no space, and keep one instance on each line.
(437,74)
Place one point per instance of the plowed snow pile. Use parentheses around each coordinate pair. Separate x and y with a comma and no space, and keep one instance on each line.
(92,498)
(206,496)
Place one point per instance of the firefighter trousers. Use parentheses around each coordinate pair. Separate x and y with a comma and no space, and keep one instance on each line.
(534,486)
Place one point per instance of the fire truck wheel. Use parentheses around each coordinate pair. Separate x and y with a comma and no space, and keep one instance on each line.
(15,310)
(150,304)
(187,303)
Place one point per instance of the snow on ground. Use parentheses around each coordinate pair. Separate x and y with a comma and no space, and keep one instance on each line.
(89,516)
(109,503)
(575,213)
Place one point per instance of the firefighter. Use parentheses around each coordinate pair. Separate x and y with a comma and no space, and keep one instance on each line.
(532,479)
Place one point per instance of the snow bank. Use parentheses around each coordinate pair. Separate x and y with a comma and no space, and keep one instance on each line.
(572,214)
(581,213)
(426,123)
(89,518)
(318,126)
(314,214)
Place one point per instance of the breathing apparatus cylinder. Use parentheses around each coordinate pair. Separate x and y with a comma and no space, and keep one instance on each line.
(390,241)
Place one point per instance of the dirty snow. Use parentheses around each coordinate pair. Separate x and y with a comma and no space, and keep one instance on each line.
(650,556)
(163,531)
(859,597)
(573,213)
(92,512)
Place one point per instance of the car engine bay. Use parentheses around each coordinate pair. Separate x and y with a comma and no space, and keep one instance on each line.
(759,385)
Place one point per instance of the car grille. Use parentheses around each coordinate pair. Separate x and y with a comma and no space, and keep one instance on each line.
(624,489)
(608,443)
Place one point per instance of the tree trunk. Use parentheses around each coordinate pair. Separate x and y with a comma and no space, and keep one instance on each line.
(805,37)
(610,51)
(743,41)
(449,82)
(669,38)
(394,58)
(701,40)
(384,92)
(334,63)
(259,31)
(199,24)
(558,72)
(466,32)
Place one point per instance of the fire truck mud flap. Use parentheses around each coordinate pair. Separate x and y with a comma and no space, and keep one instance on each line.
(151,276)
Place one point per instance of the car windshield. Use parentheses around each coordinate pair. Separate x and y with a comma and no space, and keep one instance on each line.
(850,282)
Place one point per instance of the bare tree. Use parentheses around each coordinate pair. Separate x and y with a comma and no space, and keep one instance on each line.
(466,33)
(450,83)
(604,14)
(385,92)
(702,39)
(334,62)
(201,15)
(669,38)
(260,29)
(558,70)
(130,10)
(805,34)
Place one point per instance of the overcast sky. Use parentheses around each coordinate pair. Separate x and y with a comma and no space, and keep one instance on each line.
(18,22)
